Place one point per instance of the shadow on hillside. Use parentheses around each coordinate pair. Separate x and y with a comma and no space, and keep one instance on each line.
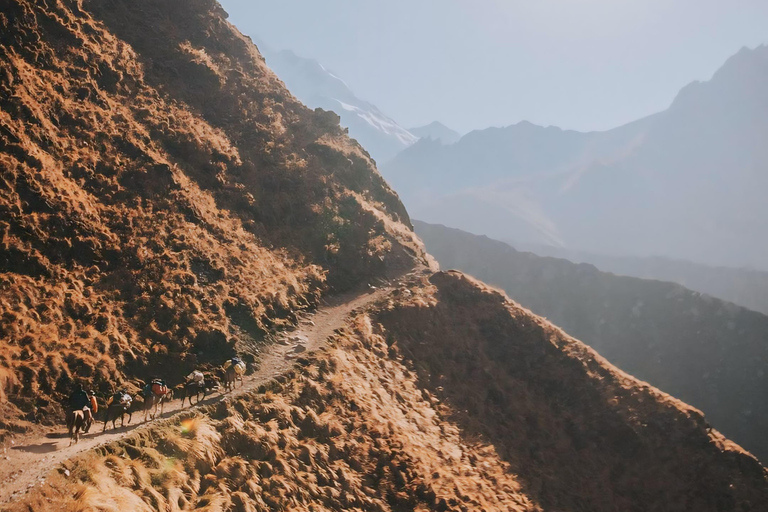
(577,435)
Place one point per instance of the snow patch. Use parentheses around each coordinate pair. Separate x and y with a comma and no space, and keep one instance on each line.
(380,122)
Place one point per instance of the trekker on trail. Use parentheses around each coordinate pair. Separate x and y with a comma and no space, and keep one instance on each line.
(93,408)
(79,400)
(79,414)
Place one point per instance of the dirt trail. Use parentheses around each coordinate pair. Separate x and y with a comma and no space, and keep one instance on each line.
(26,462)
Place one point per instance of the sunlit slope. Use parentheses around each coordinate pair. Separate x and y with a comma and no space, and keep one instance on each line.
(163,197)
(444,396)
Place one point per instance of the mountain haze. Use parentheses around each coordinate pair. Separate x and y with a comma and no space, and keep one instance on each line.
(685,183)
(167,203)
(317,87)
(438,131)
(746,287)
(708,352)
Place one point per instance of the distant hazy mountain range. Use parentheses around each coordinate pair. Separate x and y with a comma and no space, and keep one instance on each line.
(687,183)
(706,351)
(745,287)
(317,87)
(436,131)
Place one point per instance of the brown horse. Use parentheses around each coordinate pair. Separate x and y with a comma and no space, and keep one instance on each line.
(75,422)
(193,389)
(117,410)
(232,374)
(153,402)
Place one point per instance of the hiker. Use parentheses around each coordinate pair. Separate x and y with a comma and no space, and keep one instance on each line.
(93,406)
(79,415)
(79,399)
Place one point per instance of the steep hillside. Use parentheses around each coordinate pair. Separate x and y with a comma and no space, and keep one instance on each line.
(685,183)
(165,201)
(443,397)
(709,353)
(317,87)
(163,198)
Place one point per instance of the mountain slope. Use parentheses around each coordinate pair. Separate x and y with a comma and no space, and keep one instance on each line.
(709,353)
(167,202)
(149,168)
(318,87)
(685,183)
(444,396)
(491,181)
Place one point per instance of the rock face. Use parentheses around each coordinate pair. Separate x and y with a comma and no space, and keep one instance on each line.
(705,351)
(163,196)
(686,183)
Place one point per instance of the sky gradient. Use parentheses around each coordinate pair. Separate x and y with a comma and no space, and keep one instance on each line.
(578,64)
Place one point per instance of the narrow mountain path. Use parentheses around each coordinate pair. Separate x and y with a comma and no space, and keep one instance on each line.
(26,462)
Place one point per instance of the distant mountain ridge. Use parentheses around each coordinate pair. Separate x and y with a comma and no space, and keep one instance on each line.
(438,131)
(686,183)
(746,287)
(317,87)
(708,352)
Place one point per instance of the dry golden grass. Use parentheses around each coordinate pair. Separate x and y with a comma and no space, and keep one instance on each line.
(444,397)
(577,431)
(163,198)
(349,431)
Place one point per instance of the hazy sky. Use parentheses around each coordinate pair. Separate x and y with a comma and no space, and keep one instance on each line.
(581,64)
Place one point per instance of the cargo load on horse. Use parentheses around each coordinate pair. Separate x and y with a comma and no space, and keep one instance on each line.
(120,397)
(196,376)
(118,405)
(194,387)
(234,369)
(155,393)
(159,387)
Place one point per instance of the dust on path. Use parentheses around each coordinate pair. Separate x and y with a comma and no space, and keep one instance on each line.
(28,460)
